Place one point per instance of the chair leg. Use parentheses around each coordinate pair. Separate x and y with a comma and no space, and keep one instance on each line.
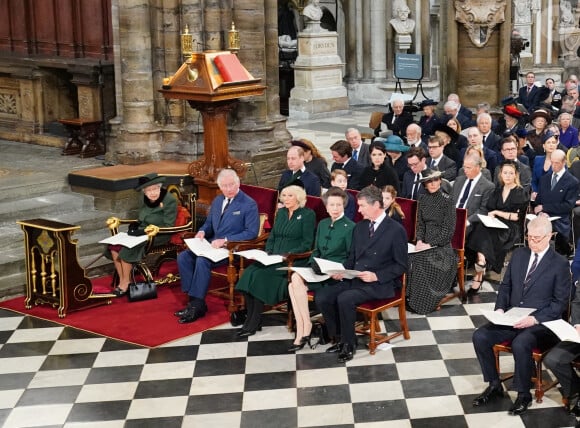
(372,332)
(539,393)
(403,322)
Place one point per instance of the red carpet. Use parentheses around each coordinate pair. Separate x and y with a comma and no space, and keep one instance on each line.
(148,323)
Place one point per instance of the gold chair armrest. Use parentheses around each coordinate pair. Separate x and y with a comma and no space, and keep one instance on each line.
(291,258)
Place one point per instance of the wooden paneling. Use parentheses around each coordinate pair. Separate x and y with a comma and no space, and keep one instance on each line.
(477,70)
(57,28)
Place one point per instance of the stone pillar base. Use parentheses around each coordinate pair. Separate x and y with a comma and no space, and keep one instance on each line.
(318,90)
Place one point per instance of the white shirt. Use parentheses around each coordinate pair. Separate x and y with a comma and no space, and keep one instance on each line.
(379,220)
(473,183)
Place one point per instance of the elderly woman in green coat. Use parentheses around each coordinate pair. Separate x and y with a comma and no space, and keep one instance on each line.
(333,241)
(159,208)
(293,232)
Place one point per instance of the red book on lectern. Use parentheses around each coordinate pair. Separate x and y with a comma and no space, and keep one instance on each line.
(231,68)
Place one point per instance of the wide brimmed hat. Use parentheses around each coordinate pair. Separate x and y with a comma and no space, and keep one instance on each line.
(428,102)
(394,143)
(441,127)
(512,111)
(541,113)
(149,180)
(429,175)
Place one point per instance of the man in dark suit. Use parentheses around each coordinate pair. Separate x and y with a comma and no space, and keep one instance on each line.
(475,139)
(341,153)
(297,172)
(554,93)
(472,190)
(417,162)
(233,216)
(509,150)
(451,109)
(528,95)
(539,278)
(559,360)
(397,120)
(438,161)
(489,138)
(557,197)
(379,252)
(360,150)
(461,109)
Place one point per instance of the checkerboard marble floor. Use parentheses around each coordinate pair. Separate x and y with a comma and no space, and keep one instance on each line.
(55,376)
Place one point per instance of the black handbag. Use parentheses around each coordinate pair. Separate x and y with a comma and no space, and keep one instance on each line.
(142,291)
(135,229)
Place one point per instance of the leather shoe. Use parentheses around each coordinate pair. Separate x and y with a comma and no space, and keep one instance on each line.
(246,333)
(334,348)
(191,315)
(575,410)
(486,396)
(181,312)
(520,406)
(347,353)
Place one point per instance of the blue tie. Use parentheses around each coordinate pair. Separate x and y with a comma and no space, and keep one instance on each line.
(355,155)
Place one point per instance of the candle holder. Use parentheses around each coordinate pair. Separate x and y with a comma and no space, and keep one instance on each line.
(234,39)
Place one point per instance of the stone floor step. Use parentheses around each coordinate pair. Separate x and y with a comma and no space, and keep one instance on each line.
(53,204)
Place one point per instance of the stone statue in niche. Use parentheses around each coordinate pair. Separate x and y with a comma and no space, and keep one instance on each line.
(566,14)
(569,31)
(523,11)
(312,14)
(479,17)
(402,23)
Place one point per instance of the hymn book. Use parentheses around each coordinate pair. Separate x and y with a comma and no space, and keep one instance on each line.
(125,240)
(202,248)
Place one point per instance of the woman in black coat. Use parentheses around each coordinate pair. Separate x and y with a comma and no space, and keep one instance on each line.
(380,173)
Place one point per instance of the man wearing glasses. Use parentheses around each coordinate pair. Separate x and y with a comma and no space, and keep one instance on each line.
(536,277)
(438,161)
(417,162)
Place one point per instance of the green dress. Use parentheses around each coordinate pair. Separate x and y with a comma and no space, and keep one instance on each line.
(333,242)
(289,235)
(160,214)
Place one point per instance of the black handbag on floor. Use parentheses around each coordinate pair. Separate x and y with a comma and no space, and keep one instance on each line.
(142,291)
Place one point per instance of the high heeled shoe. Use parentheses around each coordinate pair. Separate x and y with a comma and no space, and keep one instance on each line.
(473,290)
(303,341)
(119,292)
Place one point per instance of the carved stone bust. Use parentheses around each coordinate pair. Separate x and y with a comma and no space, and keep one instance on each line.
(402,23)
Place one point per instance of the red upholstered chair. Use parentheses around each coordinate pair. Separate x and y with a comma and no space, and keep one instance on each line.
(458,244)
(540,387)
(267,200)
(371,311)
(358,216)
(409,208)
(317,205)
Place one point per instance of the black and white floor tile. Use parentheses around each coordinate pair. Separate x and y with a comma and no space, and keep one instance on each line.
(60,377)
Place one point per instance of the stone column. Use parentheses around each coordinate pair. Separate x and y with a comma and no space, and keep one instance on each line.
(378,40)
(367,52)
(350,14)
(138,138)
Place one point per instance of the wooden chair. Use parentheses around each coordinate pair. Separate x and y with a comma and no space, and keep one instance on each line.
(155,255)
(374,122)
(371,310)
(267,200)
(540,387)
(458,244)
(410,209)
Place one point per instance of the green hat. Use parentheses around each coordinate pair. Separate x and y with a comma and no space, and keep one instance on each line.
(149,180)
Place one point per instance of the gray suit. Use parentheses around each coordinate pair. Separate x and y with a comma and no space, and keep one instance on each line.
(478,197)
(364,156)
(447,166)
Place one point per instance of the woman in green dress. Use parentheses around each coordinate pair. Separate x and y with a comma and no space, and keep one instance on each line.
(293,232)
(159,208)
(333,239)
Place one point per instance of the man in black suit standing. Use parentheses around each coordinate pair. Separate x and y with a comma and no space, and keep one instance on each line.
(297,171)
(539,278)
(438,161)
(417,162)
(556,96)
(379,252)
(528,95)
(557,197)
(342,154)
(360,150)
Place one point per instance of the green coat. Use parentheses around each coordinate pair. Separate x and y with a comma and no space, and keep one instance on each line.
(332,243)
(289,235)
(162,215)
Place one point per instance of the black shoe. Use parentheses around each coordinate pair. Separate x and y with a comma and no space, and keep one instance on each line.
(347,353)
(191,315)
(246,333)
(119,292)
(303,341)
(472,290)
(520,406)
(181,312)
(334,348)
(486,396)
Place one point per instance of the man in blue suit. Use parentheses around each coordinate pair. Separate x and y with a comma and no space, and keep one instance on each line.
(539,278)
(297,172)
(233,216)
(556,197)
(379,252)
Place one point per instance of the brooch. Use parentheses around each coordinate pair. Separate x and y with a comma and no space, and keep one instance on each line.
(299,217)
